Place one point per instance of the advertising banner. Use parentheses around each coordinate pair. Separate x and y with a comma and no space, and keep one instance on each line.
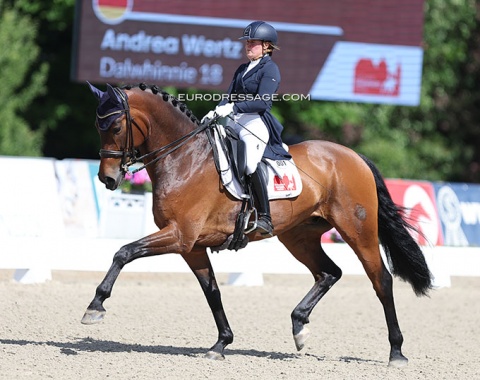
(419,200)
(77,197)
(459,212)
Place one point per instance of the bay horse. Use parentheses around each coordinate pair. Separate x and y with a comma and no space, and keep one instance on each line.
(193,211)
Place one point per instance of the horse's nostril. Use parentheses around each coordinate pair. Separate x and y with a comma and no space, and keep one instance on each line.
(109,183)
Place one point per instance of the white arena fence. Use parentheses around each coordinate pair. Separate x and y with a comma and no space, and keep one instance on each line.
(56,215)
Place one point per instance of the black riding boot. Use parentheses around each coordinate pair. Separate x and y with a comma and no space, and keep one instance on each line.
(260,195)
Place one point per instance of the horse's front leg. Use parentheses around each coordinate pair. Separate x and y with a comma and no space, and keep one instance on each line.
(200,265)
(163,241)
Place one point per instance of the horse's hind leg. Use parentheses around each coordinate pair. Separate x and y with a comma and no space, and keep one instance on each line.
(366,247)
(382,282)
(304,244)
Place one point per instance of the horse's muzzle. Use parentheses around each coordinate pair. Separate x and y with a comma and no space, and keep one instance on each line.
(110,183)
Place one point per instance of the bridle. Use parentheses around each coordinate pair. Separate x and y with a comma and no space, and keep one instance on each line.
(129,153)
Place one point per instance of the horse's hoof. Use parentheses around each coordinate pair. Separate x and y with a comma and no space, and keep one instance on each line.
(212,355)
(301,338)
(93,316)
(398,362)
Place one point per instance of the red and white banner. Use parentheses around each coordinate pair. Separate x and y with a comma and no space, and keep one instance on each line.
(373,73)
(421,210)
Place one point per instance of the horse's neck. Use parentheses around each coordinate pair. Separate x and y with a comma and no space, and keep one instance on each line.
(188,161)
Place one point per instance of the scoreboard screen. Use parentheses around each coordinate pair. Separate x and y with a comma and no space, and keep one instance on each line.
(347,50)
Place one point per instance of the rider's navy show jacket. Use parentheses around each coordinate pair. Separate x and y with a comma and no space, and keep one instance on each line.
(254,93)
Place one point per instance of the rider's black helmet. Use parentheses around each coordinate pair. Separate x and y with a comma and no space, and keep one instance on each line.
(260,30)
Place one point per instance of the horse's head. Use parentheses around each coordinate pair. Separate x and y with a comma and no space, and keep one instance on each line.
(119,139)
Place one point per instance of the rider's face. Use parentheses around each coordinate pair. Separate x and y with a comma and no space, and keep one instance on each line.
(254,49)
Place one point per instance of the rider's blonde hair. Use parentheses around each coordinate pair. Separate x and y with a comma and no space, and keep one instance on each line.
(270,48)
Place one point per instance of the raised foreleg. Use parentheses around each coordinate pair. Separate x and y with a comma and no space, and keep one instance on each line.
(163,241)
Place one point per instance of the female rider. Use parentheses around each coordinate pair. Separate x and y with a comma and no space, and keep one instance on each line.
(250,98)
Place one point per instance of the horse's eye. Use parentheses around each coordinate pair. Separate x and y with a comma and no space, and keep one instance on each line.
(116,129)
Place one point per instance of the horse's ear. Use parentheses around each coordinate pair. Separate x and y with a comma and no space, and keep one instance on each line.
(112,94)
(95,91)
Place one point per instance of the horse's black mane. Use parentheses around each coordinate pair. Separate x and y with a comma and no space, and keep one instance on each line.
(166,97)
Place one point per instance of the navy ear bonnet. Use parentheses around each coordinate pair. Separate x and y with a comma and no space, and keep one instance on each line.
(110,106)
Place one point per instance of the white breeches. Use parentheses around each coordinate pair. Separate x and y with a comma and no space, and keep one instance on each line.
(251,130)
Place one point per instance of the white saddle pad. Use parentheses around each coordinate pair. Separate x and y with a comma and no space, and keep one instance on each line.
(283,178)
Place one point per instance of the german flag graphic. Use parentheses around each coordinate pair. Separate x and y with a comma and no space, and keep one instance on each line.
(111,10)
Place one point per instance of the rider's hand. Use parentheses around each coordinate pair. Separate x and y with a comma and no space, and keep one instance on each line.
(224,110)
(210,115)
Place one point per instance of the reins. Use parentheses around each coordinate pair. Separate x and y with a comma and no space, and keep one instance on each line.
(169,148)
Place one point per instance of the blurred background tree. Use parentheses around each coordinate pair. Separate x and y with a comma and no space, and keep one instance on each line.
(60,110)
(436,140)
(23,80)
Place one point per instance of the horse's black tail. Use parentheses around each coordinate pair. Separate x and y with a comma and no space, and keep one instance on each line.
(405,258)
